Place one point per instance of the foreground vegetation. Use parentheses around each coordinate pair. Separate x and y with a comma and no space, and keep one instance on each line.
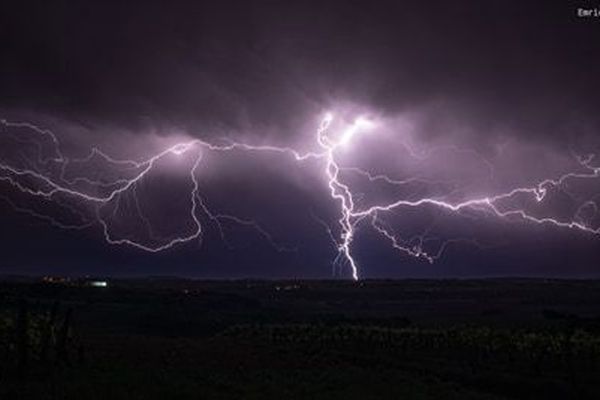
(325,340)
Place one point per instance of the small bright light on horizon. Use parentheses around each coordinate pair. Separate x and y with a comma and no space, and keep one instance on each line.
(98,283)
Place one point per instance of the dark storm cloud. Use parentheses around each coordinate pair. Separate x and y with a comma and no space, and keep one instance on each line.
(474,73)
(529,66)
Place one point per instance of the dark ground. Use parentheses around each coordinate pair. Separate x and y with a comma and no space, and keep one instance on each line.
(181,339)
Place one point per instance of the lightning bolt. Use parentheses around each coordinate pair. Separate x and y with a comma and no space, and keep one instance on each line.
(44,175)
(351,216)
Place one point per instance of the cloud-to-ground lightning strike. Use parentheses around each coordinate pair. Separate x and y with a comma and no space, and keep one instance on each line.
(45,176)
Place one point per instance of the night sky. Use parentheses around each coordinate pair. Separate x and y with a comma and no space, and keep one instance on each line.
(463,100)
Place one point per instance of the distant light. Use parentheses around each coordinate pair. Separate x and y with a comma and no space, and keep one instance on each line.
(98,284)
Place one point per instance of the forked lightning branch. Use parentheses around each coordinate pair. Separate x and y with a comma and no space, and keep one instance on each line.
(43,177)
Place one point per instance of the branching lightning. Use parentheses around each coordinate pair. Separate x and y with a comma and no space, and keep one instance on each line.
(44,176)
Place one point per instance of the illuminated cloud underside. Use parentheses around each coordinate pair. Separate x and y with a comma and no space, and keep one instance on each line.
(97,202)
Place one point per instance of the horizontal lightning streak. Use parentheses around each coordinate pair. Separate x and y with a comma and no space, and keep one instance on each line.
(32,181)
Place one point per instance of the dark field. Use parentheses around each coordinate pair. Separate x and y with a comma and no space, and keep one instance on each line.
(180,339)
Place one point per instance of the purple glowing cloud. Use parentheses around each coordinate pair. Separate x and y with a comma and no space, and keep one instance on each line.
(103,191)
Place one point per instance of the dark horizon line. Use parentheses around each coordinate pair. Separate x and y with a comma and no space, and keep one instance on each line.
(35,277)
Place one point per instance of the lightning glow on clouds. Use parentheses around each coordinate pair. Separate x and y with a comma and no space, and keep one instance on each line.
(34,165)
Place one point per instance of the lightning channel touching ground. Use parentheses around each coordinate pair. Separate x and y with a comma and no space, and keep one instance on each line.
(42,174)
